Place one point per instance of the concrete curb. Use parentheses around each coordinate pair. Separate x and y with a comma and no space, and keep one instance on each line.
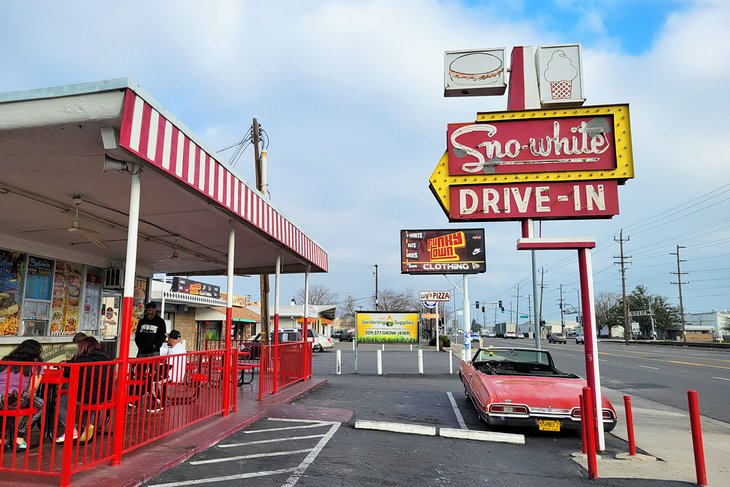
(482,436)
(417,429)
(413,429)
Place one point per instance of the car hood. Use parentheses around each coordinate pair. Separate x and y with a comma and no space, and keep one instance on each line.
(536,391)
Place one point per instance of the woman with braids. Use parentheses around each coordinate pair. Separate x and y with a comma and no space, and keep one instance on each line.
(18,384)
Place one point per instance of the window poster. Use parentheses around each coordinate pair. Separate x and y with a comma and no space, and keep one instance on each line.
(92,299)
(140,294)
(65,305)
(12,269)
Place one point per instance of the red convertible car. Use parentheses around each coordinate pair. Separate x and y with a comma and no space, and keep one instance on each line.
(522,387)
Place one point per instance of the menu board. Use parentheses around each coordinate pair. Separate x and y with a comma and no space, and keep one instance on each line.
(38,279)
(12,269)
(92,300)
(66,298)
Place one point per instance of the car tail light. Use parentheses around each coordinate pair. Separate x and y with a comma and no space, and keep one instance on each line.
(508,409)
(607,414)
(329,340)
(575,413)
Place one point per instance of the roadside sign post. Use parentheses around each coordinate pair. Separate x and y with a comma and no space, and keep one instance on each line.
(546,157)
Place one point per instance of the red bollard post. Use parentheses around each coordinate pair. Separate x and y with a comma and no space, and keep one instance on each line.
(630,425)
(583,440)
(590,438)
(694,421)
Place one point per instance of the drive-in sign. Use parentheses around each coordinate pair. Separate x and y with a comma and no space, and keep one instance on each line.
(435,295)
(538,164)
(589,199)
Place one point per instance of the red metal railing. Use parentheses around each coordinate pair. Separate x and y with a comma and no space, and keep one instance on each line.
(85,393)
(291,357)
(163,395)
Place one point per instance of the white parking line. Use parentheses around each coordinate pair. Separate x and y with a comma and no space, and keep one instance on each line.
(249,475)
(317,425)
(721,378)
(459,417)
(647,367)
(294,478)
(253,455)
(275,440)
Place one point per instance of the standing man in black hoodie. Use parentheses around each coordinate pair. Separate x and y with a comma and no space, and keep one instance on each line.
(151,332)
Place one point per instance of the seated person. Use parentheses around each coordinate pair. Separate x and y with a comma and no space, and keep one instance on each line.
(95,385)
(173,370)
(18,384)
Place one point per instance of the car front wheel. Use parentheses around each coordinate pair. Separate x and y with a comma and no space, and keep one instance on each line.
(317,348)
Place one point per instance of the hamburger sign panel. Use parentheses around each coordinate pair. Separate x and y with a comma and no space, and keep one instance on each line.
(390,327)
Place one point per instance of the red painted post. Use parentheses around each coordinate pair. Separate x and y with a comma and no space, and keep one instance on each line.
(583,440)
(276,353)
(630,425)
(68,444)
(305,338)
(122,393)
(227,360)
(694,420)
(590,438)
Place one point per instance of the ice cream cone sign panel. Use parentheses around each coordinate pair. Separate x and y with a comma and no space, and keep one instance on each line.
(560,75)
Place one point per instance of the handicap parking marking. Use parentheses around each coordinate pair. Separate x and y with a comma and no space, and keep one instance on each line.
(296,472)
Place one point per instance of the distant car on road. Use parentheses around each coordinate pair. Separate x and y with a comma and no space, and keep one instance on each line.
(347,335)
(557,338)
(510,334)
(579,338)
(475,336)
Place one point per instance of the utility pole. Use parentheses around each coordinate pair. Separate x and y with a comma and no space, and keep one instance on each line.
(622,262)
(376,290)
(517,310)
(562,314)
(260,185)
(679,283)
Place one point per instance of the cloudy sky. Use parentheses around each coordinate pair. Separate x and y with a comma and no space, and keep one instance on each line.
(350,94)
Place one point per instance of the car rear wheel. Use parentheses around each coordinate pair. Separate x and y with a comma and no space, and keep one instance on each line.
(317,348)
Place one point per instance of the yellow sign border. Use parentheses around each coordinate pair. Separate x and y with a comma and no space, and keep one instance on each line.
(440,179)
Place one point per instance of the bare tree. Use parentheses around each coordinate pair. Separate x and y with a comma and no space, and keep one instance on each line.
(318,294)
(606,304)
(391,300)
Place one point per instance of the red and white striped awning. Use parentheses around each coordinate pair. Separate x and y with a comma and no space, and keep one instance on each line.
(149,135)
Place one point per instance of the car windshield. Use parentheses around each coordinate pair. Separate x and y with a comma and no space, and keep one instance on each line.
(514,361)
(513,355)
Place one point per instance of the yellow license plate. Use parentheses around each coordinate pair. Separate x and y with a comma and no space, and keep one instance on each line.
(548,425)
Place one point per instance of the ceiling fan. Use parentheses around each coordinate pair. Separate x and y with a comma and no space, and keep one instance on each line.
(76,227)
(174,256)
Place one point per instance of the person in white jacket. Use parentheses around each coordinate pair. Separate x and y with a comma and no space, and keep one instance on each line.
(175,365)
(176,373)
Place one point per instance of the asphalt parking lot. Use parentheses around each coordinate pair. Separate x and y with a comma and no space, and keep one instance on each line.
(330,451)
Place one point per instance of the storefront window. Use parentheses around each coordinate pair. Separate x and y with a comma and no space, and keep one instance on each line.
(12,270)
(92,301)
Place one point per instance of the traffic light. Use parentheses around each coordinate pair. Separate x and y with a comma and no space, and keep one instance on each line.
(477,304)
(482,309)
(500,306)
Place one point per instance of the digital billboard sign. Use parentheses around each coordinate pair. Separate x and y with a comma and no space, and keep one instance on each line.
(451,251)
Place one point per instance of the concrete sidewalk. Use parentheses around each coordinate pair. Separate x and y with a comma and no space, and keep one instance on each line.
(149,461)
(664,432)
